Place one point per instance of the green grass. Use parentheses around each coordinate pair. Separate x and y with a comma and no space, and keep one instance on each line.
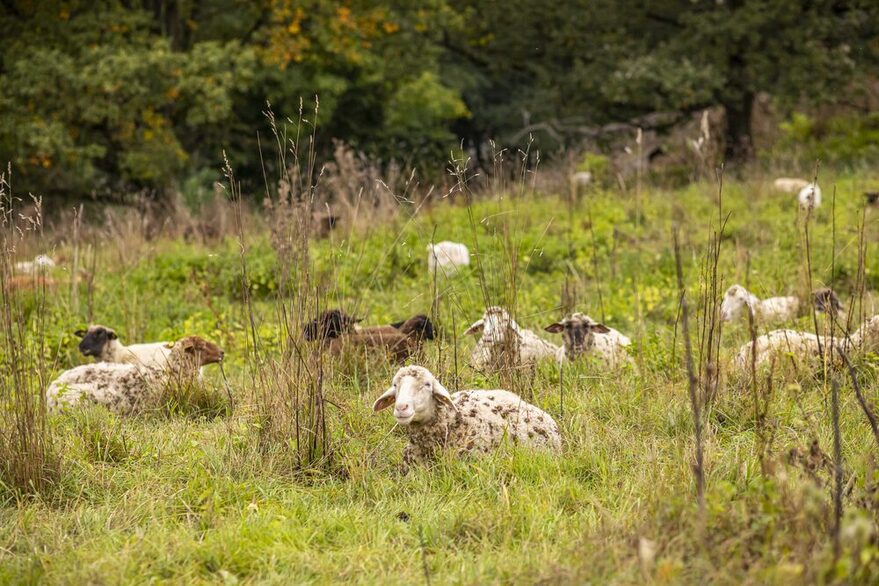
(186,496)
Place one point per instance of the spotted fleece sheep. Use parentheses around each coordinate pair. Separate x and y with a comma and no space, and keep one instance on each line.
(466,422)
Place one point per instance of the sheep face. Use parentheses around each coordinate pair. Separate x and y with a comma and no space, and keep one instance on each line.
(330,324)
(826,301)
(735,300)
(578,331)
(420,325)
(195,352)
(414,394)
(494,325)
(95,340)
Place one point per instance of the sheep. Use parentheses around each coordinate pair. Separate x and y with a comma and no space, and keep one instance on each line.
(504,343)
(338,332)
(40,263)
(789,184)
(448,256)
(806,344)
(472,421)
(127,388)
(809,197)
(399,342)
(103,343)
(774,309)
(583,335)
(580,180)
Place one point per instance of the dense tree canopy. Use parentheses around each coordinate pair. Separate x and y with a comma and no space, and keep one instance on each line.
(107,95)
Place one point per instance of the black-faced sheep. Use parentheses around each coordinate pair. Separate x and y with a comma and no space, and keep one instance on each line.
(467,422)
(337,332)
(737,301)
(103,343)
(583,335)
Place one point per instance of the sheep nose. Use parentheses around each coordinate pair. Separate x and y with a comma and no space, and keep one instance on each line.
(402,407)
(222,354)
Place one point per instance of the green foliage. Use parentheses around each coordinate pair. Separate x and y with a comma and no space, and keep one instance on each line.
(837,140)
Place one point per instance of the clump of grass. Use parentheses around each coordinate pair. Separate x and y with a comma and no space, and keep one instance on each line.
(29,464)
(101,436)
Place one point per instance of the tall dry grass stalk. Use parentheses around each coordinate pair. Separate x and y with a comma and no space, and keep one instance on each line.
(29,464)
(287,388)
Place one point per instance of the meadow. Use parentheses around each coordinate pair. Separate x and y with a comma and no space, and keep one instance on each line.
(230,485)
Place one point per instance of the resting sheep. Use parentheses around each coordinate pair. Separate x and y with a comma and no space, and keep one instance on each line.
(337,332)
(505,344)
(737,301)
(448,256)
(127,388)
(466,422)
(40,263)
(583,335)
(103,343)
(805,345)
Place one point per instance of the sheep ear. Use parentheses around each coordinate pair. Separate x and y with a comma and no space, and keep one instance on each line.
(600,328)
(441,394)
(387,399)
(112,335)
(79,333)
(476,328)
(555,328)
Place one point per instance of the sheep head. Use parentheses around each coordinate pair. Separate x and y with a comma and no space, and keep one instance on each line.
(735,300)
(414,393)
(494,325)
(418,326)
(578,331)
(95,340)
(330,324)
(193,352)
(826,301)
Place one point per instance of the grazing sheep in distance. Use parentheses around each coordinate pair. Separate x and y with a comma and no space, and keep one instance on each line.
(127,388)
(504,343)
(583,335)
(789,184)
(103,343)
(580,179)
(810,197)
(447,255)
(466,422)
(805,345)
(775,309)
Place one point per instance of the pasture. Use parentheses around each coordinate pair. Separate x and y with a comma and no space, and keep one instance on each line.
(278,470)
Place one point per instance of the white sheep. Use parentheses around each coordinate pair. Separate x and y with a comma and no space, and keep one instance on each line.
(466,422)
(504,343)
(805,345)
(447,255)
(580,180)
(103,343)
(40,263)
(737,301)
(583,335)
(126,388)
(789,184)
(809,197)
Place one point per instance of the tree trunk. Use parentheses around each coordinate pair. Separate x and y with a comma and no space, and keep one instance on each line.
(739,144)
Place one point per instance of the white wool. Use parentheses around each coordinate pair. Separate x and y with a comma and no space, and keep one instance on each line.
(496,324)
(29,267)
(809,197)
(122,388)
(609,345)
(737,300)
(805,345)
(789,184)
(581,179)
(473,421)
(447,255)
